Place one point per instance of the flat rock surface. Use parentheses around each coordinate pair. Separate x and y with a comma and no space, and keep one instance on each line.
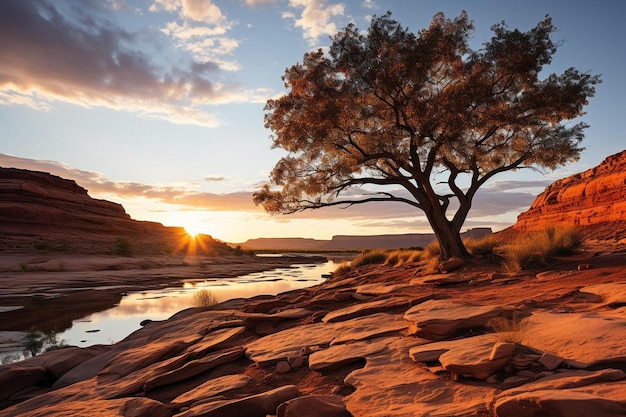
(212,388)
(338,355)
(439,319)
(584,338)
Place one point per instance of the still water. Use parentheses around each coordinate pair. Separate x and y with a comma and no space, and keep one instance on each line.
(114,324)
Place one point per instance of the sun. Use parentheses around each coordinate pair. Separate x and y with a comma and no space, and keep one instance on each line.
(193,230)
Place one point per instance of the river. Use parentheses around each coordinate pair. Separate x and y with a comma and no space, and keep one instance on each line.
(114,324)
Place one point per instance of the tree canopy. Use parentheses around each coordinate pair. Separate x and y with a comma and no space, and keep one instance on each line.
(421,118)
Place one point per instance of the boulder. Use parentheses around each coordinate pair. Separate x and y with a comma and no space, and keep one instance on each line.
(441,319)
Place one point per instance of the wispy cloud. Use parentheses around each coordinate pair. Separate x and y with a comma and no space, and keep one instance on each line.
(491,201)
(73,52)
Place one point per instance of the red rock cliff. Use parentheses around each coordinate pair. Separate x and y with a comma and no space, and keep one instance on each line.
(595,200)
(38,209)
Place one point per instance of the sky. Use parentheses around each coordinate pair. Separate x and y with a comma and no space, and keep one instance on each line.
(158,104)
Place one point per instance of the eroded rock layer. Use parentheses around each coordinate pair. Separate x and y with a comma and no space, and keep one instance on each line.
(594,200)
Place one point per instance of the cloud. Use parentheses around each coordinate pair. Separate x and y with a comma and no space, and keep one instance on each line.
(73,52)
(490,201)
(369,4)
(316,18)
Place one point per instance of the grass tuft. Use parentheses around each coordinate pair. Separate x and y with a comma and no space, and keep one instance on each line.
(540,248)
(508,329)
(204,299)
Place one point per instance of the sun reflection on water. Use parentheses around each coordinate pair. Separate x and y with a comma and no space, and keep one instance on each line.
(115,324)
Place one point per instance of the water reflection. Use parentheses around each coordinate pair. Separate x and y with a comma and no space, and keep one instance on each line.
(115,324)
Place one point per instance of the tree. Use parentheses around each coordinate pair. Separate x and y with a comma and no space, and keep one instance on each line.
(421,119)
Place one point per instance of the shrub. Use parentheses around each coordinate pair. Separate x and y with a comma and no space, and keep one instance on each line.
(376,256)
(400,257)
(204,299)
(482,247)
(508,329)
(541,247)
(122,246)
(343,269)
(35,341)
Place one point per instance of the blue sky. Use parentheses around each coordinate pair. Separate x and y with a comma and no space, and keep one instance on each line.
(158,104)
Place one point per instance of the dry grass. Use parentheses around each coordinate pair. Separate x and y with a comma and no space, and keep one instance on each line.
(401,257)
(204,299)
(343,270)
(508,329)
(539,248)
(484,247)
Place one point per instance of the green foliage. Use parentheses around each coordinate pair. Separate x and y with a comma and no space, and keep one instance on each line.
(24,267)
(122,246)
(33,342)
(539,248)
(204,299)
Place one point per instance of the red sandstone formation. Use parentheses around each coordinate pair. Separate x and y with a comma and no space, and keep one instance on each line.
(40,210)
(594,200)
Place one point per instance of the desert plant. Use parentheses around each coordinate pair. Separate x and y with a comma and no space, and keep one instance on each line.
(36,341)
(400,257)
(376,256)
(122,246)
(485,246)
(343,269)
(508,329)
(204,299)
(541,247)
(33,342)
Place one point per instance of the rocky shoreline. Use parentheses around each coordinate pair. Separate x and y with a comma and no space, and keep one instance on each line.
(381,341)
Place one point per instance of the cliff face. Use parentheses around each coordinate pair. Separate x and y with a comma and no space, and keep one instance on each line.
(594,200)
(40,210)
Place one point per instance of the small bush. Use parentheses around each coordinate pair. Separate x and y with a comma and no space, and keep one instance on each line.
(204,299)
(401,257)
(370,257)
(35,341)
(482,247)
(343,270)
(508,329)
(122,246)
(539,248)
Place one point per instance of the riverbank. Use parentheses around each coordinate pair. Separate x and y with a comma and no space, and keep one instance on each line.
(380,341)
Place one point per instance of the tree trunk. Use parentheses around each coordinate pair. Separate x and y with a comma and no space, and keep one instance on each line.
(448,236)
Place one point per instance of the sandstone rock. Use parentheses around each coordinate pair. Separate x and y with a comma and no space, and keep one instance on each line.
(259,405)
(585,339)
(313,406)
(613,293)
(215,340)
(136,358)
(59,361)
(451,265)
(477,357)
(339,355)
(379,288)
(17,377)
(212,388)
(550,361)
(367,308)
(283,367)
(592,200)
(390,385)
(567,379)
(601,400)
(194,368)
(289,342)
(440,319)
